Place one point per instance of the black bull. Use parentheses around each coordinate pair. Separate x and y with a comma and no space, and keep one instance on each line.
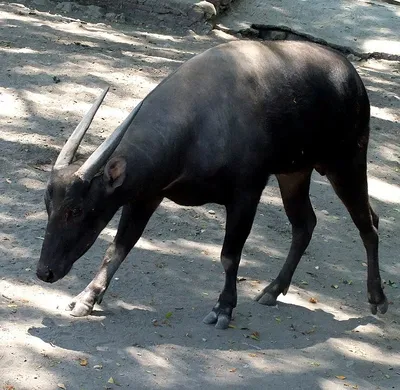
(214,131)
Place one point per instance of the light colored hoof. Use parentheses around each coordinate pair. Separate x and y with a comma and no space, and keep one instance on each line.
(79,309)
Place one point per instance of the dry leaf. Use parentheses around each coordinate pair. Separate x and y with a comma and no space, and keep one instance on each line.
(310,331)
(61,386)
(255,336)
(231,326)
(9,387)
(335,286)
(252,354)
(232,370)
(111,380)
(341,377)
(312,300)
(392,284)
(83,362)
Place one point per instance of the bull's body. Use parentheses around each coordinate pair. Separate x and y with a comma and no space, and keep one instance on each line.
(214,131)
(233,115)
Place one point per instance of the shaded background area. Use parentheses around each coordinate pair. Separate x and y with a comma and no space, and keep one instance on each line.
(148,332)
(363,26)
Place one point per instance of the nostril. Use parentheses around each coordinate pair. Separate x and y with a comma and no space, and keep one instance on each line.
(50,275)
(45,274)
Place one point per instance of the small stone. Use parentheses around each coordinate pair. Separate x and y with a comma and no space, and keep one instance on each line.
(110,16)
(121,18)
(102,348)
(325,212)
(212,212)
(352,57)
(203,10)
(207,7)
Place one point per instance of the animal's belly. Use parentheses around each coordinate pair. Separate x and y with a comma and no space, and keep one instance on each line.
(196,192)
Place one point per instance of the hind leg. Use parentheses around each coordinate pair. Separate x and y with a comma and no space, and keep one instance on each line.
(350,184)
(294,190)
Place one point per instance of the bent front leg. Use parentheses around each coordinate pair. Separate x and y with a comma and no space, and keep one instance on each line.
(133,220)
(239,220)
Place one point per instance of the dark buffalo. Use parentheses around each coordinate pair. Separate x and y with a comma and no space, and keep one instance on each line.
(214,131)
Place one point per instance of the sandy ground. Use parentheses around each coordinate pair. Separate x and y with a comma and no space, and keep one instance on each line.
(363,26)
(148,332)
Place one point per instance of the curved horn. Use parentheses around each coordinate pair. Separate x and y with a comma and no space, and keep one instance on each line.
(99,157)
(68,151)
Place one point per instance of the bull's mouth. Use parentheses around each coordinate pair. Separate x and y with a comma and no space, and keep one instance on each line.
(46,274)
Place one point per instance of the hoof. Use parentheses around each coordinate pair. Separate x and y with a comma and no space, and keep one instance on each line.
(266,298)
(221,320)
(382,307)
(79,309)
(210,318)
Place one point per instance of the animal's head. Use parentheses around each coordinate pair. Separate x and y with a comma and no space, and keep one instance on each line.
(80,201)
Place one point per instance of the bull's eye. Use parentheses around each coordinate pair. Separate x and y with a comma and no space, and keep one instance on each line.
(73,213)
(76,212)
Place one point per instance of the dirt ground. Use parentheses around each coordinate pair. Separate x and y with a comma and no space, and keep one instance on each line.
(148,332)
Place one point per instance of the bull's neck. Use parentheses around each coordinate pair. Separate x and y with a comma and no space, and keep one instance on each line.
(152,162)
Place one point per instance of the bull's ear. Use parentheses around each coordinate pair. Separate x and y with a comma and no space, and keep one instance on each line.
(115,173)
